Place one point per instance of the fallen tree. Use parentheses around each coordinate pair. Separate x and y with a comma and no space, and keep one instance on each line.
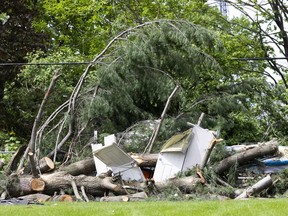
(56,182)
(269,148)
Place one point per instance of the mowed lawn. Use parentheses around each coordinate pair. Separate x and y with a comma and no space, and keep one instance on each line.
(207,208)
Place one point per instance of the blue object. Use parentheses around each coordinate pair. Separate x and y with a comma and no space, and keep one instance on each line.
(275,162)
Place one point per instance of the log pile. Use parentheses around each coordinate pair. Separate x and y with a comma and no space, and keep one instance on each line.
(78,181)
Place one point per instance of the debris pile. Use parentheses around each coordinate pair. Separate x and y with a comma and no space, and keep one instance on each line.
(184,164)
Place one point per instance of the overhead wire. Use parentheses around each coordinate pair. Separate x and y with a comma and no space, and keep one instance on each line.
(82,63)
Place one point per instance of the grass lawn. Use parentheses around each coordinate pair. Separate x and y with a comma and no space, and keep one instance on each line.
(207,208)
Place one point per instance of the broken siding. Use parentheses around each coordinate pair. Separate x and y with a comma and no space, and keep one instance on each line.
(194,144)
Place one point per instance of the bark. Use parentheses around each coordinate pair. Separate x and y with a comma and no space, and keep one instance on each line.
(84,167)
(125,198)
(268,148)
(145,160)
(256,188)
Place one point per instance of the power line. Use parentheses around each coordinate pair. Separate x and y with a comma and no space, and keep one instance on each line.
(260,58)
(44,63)
(83,63)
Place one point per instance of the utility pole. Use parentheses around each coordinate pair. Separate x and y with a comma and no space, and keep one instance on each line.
(223,7)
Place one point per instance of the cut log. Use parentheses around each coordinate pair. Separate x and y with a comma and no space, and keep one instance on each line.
(256,188)
(145,160)
(46,165)
(24,186)
(37,184)
(94,185)
(125,198)
(268,148)
(84,167)
(38,197)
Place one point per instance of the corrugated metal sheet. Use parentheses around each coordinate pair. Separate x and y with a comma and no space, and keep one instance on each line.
(115,159)
(112,155)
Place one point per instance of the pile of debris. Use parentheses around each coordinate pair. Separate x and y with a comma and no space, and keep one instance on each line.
(113,175)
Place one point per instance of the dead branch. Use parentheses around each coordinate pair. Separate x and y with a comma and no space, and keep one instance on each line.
(84,193)
(75,190)
(32,143)
(12,165)
(158,124)
(208,152)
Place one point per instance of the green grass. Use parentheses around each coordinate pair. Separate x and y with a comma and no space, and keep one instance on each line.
(207,208)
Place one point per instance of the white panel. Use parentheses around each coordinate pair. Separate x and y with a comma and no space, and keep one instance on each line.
(168,165)
(108,140)
(198,147)
(100,166)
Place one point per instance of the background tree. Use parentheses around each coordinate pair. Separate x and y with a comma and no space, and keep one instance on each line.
(77,30)
(270,20)
(18,37)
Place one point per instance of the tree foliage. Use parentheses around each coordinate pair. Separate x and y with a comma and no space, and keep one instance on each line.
(131,80)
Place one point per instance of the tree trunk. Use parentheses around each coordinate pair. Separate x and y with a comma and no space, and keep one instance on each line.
(268,148)
(256,188)
(145,160)
(125,198)
(92,184)
(84,167)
